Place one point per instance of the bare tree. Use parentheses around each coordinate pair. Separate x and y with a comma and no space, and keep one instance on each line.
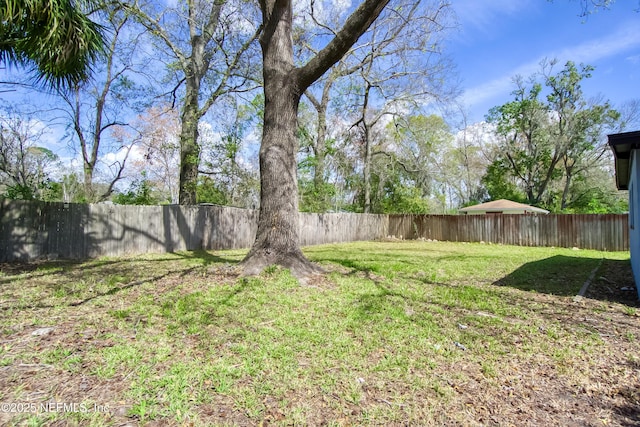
(397,62)
(94,109)
(207,43)
(225,160)
(401,67)
(629,115)
(23,159)
(462,166)
(319,95)
(590,6)
(319,142)
(157,131)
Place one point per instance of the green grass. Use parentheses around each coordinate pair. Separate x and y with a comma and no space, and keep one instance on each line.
(395,333)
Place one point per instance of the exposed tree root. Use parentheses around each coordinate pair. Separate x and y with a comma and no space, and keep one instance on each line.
(300,267)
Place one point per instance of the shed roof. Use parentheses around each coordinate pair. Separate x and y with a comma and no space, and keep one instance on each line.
(503,205)
(622,144)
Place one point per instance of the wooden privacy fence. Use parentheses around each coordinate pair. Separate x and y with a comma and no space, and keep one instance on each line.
(317,229)
(33,230)
(602,232)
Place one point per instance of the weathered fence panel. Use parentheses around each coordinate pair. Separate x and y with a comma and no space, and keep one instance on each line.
(316,229)
(608,232)
(33,230)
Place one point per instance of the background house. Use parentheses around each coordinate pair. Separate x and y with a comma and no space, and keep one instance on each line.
(501,206)
(626,149)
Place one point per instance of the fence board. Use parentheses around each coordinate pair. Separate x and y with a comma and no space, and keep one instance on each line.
(608,232)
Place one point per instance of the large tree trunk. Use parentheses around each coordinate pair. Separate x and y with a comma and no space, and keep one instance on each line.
(368,156)
(88,184)
(189,145)
(189,154)
(277,236)
(277,240)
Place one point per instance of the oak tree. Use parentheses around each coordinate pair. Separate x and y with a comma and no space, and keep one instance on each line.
(284,83)
(544,142)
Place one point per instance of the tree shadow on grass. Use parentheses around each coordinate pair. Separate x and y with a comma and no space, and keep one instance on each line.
(401,264)
(614,282)
(40,268)
(124,273)
(206,257)
(609,280)
(549,282)
(629,412)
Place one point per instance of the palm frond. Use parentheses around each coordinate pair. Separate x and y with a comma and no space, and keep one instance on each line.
(56,39)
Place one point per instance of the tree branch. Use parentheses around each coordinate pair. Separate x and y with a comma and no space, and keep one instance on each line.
(232,66)
(357,23)
(155,28)
(398,161)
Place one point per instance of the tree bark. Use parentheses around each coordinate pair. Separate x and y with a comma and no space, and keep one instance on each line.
(89,194)
(189,146)
(320,149)
(277,238)
(195,66)
(320,145)
(368,156)
(568,168)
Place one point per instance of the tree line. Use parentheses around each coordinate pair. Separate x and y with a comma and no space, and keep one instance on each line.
(314,106)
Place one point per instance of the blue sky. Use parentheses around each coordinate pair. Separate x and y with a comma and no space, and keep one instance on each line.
(499,39)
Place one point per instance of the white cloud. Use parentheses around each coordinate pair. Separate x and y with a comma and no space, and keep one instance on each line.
(66,165)
(115,159)
(481,134)
(634,59)
(482,15)
(622,40)
(589,52)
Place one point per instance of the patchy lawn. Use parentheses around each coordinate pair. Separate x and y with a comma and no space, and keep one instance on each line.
(397,333)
